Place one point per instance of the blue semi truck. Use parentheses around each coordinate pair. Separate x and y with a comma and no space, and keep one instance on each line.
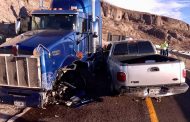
(48,40)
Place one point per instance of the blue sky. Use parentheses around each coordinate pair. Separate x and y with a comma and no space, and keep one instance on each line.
(178,9)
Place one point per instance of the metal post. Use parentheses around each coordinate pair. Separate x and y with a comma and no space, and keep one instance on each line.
(93,25)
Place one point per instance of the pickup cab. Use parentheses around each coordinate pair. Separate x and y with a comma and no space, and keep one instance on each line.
(136,68)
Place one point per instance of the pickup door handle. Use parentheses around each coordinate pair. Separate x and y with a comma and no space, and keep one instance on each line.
(154,69)
(175,79)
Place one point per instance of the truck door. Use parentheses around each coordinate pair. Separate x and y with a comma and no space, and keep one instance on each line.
(82,39)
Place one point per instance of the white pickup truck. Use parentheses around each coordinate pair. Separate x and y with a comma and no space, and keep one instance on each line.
(136,68)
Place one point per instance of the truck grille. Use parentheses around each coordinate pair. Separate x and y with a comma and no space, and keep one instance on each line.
(20,71)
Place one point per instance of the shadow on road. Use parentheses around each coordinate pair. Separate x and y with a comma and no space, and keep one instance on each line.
(4,117)
(183,101)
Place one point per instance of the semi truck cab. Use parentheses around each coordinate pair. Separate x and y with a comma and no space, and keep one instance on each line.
(48,40)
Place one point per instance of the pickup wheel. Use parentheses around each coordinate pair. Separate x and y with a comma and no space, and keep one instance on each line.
(113,90)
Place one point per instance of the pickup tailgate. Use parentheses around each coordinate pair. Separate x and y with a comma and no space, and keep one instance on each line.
(154,74)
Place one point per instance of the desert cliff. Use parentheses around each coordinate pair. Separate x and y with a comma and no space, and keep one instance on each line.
(117,21)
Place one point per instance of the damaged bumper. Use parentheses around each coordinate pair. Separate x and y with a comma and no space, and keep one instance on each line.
(22,97)
(156,91)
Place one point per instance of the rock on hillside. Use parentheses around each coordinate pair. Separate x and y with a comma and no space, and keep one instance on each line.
(12,9)
(140,25)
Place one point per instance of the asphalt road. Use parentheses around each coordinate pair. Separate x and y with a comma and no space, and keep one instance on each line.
(106,109)
(116,109)
(175,108)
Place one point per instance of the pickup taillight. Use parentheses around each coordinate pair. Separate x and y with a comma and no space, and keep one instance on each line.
(184,73)
(121,76)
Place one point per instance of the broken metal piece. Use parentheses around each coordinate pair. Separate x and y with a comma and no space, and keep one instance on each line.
(68,103)
(158,99)
(75,99)
(69,88)
(83,102)
(70,85)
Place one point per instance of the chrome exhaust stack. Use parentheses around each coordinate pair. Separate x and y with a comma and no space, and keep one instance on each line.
(96,26)
(93,43)
(41,4)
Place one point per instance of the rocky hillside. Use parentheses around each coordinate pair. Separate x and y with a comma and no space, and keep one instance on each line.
(12,9)
(138,25)
(141,25)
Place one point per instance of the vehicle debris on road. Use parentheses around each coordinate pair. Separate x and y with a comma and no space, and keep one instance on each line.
(70,88)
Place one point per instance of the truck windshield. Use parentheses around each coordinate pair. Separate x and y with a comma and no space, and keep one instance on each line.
(54,21)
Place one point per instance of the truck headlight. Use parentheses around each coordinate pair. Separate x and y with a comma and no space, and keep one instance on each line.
(36,53)
(15,50)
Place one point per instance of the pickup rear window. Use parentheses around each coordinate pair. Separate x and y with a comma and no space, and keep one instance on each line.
(133,48)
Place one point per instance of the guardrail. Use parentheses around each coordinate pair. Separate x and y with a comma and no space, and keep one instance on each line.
(182,54)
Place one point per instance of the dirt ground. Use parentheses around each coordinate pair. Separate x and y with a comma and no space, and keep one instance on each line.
(7,111)
(111,109)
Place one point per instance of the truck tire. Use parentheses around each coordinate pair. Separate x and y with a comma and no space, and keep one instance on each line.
(113,90)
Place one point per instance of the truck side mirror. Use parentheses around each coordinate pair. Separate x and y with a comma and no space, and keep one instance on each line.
(84,26)
(22,25)
(17,26)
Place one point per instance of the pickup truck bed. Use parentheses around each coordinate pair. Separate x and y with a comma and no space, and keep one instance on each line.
(152,70)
